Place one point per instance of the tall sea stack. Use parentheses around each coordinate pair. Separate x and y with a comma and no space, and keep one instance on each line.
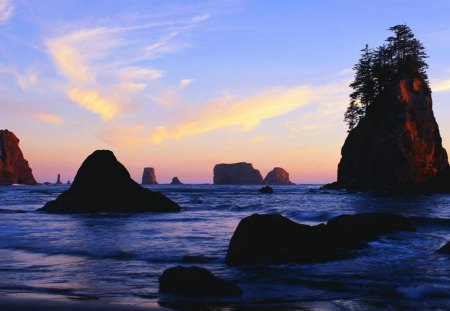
(14,169)
(149,176)
(397,145)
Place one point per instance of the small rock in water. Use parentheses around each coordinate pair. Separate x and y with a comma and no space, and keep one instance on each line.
(195,281)
(176,181)
(444,249)
(266,189)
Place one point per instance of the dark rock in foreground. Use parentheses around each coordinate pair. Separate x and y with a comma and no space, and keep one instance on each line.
(278,176)
(444,249)
(149,176)
(397,145)
(195,281)
(236,174)
(277,239)
(103,184)
(14,169)
(266,189)
(176,181)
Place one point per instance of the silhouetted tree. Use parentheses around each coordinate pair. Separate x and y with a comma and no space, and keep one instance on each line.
(402,54)
(363,89)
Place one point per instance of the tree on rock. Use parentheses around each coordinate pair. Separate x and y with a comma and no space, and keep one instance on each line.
(402,54)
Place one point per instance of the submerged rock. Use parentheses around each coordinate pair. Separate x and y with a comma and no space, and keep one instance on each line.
(14,169)
(149,176)
(278,176)
(195,281)
(175,181)
(444,249)
(103,184)
(266,189)
(236,174)
(397,145)
(277,239)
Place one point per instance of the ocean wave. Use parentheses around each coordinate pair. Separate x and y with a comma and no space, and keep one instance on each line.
(12,211)
(424,291)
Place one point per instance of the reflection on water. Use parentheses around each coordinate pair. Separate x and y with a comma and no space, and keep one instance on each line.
(118,258)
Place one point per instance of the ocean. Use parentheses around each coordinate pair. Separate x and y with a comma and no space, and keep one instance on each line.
(117,258)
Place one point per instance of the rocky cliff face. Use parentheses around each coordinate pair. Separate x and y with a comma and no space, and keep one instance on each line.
(149,176)
(277,176)
(14,169)
(237,174)
(397,145)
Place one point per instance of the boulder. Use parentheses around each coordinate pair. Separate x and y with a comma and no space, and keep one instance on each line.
(176,181)
(14,169)
(149,176)
(58,180)
(278,176)
(236,174)
(195,281)
(276,239)
(103,184)
(444,249)
(266,189)
(397,145)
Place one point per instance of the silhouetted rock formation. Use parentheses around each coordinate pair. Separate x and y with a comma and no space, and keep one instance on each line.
(236,174)
(176,181)
(195,281)
(149,176)
(14,169)
(444,249)
(103,184)
(278,176)
(58,180)
(277,239)
(397,145)
(266,189)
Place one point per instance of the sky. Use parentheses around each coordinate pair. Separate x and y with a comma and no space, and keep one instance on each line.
(183,85)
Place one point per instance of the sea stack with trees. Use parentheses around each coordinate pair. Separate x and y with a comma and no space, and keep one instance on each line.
(393,142)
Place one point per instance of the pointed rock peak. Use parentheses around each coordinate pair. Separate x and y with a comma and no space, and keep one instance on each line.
(176,181)
(103,184)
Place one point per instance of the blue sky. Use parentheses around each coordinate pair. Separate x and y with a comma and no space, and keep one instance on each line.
(182,85)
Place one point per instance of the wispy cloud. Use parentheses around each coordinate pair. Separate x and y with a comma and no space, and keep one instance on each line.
(170,96)
(6,10)
(441,86)
(104,66)
(245,114)
(24,80)
(48,118)
(94,102)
